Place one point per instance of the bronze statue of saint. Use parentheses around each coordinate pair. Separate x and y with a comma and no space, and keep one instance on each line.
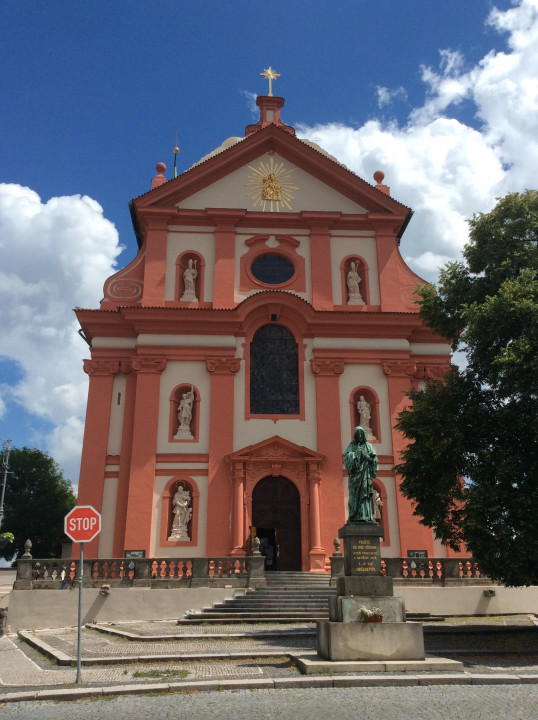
(360,461)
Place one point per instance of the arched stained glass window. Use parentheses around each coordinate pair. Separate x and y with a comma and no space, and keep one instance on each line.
(274,372)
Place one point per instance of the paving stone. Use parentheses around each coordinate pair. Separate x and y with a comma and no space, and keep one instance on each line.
(68,693)
(378,680)
(528,678)
(303,681)
(445,679)
(494,679)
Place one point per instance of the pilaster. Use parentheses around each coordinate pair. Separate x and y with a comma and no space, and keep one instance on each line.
(238,514)
(320,253)
(144,448)
(156,234)
(221,422)
(94,450)
(224,279)
(387,264)
(316,552)
(329,433)
(125,458)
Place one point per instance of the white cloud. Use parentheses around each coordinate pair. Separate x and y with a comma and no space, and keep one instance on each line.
(446,170)
(54,255)
(385,95)
(251,101)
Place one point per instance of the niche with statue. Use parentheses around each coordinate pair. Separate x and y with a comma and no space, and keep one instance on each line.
(189,277)
(365,412)
(184,405)
(355,288)
(181,513)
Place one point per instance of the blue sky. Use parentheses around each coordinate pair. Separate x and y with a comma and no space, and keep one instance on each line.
(440,94)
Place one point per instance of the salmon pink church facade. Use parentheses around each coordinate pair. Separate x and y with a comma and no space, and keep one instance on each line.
(267,313)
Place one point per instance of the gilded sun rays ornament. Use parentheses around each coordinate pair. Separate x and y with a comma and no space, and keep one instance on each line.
(271,185)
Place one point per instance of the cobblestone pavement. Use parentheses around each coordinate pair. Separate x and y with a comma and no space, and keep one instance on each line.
(98,645)
(24,668)
(512,702)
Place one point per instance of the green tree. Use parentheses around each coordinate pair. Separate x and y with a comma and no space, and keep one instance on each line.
(480,424)
(37,499)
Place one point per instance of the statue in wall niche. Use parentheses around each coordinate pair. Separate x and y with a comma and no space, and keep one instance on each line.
(353,281)
(365,416)
(184,415)
(189,280)
(360,461)
(378,504)
(182,509)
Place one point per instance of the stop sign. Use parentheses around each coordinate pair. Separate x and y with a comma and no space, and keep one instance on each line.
(82,524)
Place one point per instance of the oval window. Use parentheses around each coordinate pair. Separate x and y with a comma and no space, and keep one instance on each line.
(272,269)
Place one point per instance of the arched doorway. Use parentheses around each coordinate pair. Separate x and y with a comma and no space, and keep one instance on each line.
(276,516)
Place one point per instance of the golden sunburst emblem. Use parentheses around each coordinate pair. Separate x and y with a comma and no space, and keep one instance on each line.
(271,185)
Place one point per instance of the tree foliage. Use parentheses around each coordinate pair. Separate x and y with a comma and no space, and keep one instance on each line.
(481,423)
(37,499)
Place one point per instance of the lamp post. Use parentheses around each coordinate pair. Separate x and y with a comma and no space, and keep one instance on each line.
(5,464)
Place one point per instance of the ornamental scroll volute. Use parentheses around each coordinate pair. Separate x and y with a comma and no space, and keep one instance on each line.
(126,286)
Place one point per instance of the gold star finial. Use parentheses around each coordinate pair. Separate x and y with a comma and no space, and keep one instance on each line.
(271,75)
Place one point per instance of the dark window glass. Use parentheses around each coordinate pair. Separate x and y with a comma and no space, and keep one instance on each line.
(274,372)
(272,269)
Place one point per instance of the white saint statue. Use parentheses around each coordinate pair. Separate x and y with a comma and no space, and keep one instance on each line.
(184,415)
(353,280)
(189,277)
(182,514)
(365,417)
(378,504)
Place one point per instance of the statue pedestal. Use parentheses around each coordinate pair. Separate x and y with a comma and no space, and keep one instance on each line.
(346,635)
(183,434)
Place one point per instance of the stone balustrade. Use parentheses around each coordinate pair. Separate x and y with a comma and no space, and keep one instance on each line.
(427,571)
(141,572)
(222,571)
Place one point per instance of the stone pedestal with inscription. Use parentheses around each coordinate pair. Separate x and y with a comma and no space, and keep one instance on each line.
(348,635)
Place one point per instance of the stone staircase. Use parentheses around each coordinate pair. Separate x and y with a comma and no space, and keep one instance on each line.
(289,597)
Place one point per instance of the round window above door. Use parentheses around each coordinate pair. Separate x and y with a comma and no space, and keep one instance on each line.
(272,269)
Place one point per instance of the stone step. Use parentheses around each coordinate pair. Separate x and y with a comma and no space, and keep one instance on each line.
(269,608)
(289,597)
(296,579)
(310,615)
(195,620)
(278,599)
(284,597)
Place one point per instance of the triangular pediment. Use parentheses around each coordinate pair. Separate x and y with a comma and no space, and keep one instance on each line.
(228,179)
(275,448)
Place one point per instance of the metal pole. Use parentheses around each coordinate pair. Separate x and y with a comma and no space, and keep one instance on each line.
(79,633)
(6,466)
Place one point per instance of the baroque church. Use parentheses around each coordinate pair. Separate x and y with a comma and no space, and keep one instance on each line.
(267,313)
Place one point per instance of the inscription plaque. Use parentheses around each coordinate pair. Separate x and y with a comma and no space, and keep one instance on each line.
(365,552)
(361,549)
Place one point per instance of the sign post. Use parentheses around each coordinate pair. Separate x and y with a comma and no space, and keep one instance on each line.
(81,524)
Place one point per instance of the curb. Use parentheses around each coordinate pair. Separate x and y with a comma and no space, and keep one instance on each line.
(333,681)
